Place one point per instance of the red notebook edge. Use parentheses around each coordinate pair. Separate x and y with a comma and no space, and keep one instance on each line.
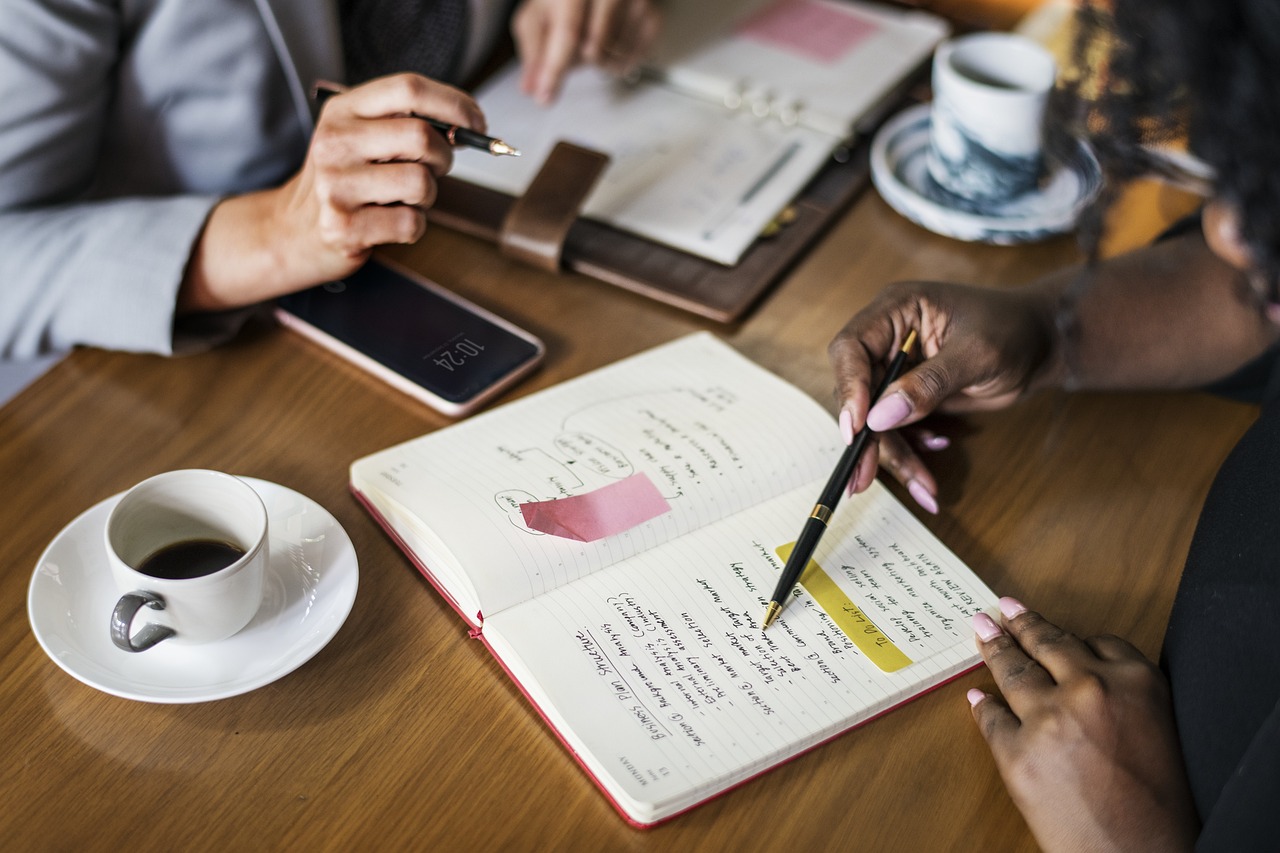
(474,623)
(476,631)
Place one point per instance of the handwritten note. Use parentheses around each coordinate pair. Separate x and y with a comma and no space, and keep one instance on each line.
(661,668)
(849,617)
(701,422)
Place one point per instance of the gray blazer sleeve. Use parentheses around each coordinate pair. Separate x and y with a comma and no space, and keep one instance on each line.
(99,205)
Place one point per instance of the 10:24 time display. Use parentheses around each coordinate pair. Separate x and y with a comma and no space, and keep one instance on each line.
(456,355)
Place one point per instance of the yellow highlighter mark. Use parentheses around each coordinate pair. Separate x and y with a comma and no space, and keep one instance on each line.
(849,618)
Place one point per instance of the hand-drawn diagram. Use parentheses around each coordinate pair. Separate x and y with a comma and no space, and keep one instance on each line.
(670,436)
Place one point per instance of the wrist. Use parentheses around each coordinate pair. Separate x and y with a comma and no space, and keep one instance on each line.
(241,256)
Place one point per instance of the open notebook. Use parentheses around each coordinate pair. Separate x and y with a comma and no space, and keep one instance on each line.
(743,102)
(613,541)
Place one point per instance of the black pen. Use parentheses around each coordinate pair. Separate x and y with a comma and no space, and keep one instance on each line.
(454,134)
(816,524)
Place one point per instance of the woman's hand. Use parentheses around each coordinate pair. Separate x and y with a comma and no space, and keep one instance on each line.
(980,349)
(1083,737)
(368,178)
(552,36)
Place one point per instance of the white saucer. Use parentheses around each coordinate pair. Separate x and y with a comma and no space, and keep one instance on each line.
(899,172)
(308,591)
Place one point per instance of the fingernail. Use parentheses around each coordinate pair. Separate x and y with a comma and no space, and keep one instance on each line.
(918,491)
(937,442)
(846,426)
(1012,607)
(888,413)
(985,627)
(975,696)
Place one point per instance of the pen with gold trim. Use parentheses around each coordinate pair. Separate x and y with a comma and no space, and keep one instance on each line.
(454,134)
(816,524)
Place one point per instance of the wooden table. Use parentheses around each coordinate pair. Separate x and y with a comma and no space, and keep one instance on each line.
(402,733)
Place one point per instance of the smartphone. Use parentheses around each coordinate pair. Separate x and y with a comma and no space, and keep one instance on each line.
(413,334)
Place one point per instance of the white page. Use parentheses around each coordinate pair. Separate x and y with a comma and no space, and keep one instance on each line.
(658,675)
(713,431)
(683,172)
(826,63)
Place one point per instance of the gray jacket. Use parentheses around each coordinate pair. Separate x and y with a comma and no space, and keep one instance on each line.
(122,122)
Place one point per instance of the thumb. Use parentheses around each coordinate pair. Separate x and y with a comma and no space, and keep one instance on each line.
(921,390)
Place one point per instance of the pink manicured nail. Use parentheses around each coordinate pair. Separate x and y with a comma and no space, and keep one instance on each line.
(846,426)
(937,442)
(975,696)
(888,413)
(985,627)
(918,491)
(1011,607)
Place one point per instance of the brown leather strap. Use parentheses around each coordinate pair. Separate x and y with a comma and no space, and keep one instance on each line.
(536,225)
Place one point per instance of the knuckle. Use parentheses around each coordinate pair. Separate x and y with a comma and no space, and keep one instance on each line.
(1088,690)
(931,380)
(328,144)
(408,224)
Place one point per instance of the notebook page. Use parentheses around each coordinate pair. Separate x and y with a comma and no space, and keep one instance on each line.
(657,673)
(712,432)
(683,172)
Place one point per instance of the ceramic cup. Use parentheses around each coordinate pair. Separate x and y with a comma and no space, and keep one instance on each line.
(990,92)
(190,549)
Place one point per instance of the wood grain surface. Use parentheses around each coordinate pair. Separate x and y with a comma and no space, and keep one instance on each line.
(403,733)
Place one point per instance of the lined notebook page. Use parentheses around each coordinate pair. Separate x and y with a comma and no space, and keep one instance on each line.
(657,673)
(713,432)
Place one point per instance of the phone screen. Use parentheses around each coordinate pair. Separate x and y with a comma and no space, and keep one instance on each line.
(452,350)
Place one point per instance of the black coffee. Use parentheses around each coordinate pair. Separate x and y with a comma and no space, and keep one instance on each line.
(190,559)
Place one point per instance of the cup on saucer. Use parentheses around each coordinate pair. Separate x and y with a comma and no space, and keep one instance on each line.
(990,95)
(189,550)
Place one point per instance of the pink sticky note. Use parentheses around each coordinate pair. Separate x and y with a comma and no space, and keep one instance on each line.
(599,513)
(819,32)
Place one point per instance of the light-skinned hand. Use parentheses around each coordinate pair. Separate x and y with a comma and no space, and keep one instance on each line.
(368,178)
(553,36)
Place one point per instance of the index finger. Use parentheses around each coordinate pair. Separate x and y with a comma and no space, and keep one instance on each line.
(602,29)
(413,94)
(1060,652)
(557,51)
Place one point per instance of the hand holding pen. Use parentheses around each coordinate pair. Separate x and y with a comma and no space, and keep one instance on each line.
(981,348)
(816,524)
(454,133)
(368,178)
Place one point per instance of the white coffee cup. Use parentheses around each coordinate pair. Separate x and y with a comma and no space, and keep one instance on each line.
(990,94)
(190,547)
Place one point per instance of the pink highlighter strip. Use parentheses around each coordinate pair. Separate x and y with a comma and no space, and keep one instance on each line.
(602,512)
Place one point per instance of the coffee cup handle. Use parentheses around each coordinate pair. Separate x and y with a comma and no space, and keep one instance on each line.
(122,620)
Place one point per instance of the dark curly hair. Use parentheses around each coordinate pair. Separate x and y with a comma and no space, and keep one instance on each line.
(1204,70)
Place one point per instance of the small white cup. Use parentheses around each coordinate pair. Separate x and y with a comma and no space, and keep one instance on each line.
(990,93)
(179,508)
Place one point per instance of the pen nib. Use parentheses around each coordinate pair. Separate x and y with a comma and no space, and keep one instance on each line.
(770,614)
(499,147)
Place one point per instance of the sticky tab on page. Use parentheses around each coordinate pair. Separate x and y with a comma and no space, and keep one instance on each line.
(818,32)
(602,512)
(849,618)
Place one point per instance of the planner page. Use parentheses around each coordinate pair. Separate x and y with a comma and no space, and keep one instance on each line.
(657,674)
(683,172)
